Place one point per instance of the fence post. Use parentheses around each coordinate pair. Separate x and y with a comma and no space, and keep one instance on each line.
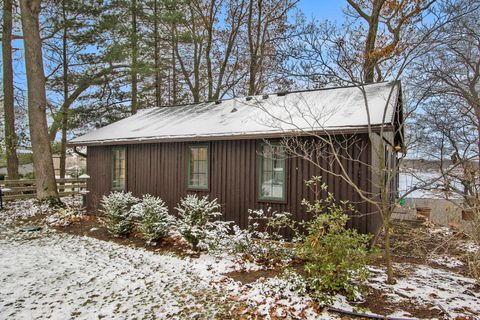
(84,193)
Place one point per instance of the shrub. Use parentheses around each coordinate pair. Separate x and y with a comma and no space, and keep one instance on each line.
(217,238)
(262,241)
(195,219)
(154,218)
(336,257)
(116,207)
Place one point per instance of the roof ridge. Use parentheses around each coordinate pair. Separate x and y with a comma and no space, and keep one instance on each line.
(273,93)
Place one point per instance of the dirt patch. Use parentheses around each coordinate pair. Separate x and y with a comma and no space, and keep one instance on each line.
(34,220)
(245,277)
(93,226)
(378,302)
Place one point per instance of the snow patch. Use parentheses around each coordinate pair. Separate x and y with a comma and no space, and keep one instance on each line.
(456,294)
(447,261)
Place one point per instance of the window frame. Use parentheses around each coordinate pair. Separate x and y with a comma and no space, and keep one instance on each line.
(112,187)
(189,157)
(260,171)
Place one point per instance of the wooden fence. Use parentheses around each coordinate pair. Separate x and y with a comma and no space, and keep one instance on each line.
(26,188)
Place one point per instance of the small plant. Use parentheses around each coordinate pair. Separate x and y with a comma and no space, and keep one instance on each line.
(154,218)
(64,217)
(217,239)
(196,219)
(262,241)
(116,207)
(336,257)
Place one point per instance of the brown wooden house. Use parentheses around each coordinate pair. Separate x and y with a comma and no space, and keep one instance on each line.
(229,150)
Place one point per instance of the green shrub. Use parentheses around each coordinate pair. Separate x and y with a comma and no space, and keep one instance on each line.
(154,218)
(117,206)
(336,258)
(195,219)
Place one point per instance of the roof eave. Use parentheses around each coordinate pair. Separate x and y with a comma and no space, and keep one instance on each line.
(245,136)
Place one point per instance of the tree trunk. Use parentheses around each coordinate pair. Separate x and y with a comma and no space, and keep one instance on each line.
(370,61)
(63,144)
(156,37)
(8,101)
(255,42)
(209,26)
(252,50)
(37,102)
(173,100)
(134,47)
(388,254)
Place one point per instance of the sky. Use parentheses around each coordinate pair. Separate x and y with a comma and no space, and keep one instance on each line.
(322,9)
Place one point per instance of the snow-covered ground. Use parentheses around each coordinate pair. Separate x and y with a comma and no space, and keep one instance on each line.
(54,275)
(50,274)
(454,294)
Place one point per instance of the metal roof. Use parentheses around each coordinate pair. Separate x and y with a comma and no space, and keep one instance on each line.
(276,114)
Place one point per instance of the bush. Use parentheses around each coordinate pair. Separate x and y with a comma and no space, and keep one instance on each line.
(262,241)
(154,218)
(336,257)
(116,207)
(195,219)
(262,245)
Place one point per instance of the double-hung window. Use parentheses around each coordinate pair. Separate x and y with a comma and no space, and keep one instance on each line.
(198,167)
(272,172)
(119,168)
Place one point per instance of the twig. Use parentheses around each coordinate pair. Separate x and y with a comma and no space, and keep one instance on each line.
(444,310)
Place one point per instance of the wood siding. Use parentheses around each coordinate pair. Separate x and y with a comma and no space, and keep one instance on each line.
(161,169)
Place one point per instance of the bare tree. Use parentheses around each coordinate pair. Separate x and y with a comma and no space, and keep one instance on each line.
(37,102)
(329,54)
(449,125)
(451,70)
(386,20)
(266,27)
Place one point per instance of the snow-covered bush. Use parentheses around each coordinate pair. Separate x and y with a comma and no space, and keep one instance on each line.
(154,218)
(262,241)
(217,239)
(117,206)
(196,219)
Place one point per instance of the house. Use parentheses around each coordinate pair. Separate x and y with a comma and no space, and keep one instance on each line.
(230,150)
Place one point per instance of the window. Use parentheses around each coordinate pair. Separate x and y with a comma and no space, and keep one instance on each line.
(198,167)
(272,172)
(119,168)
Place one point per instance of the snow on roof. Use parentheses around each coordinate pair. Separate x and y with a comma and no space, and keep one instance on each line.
(314,110)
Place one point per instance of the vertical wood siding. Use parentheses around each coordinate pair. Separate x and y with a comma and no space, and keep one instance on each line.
(161,169)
